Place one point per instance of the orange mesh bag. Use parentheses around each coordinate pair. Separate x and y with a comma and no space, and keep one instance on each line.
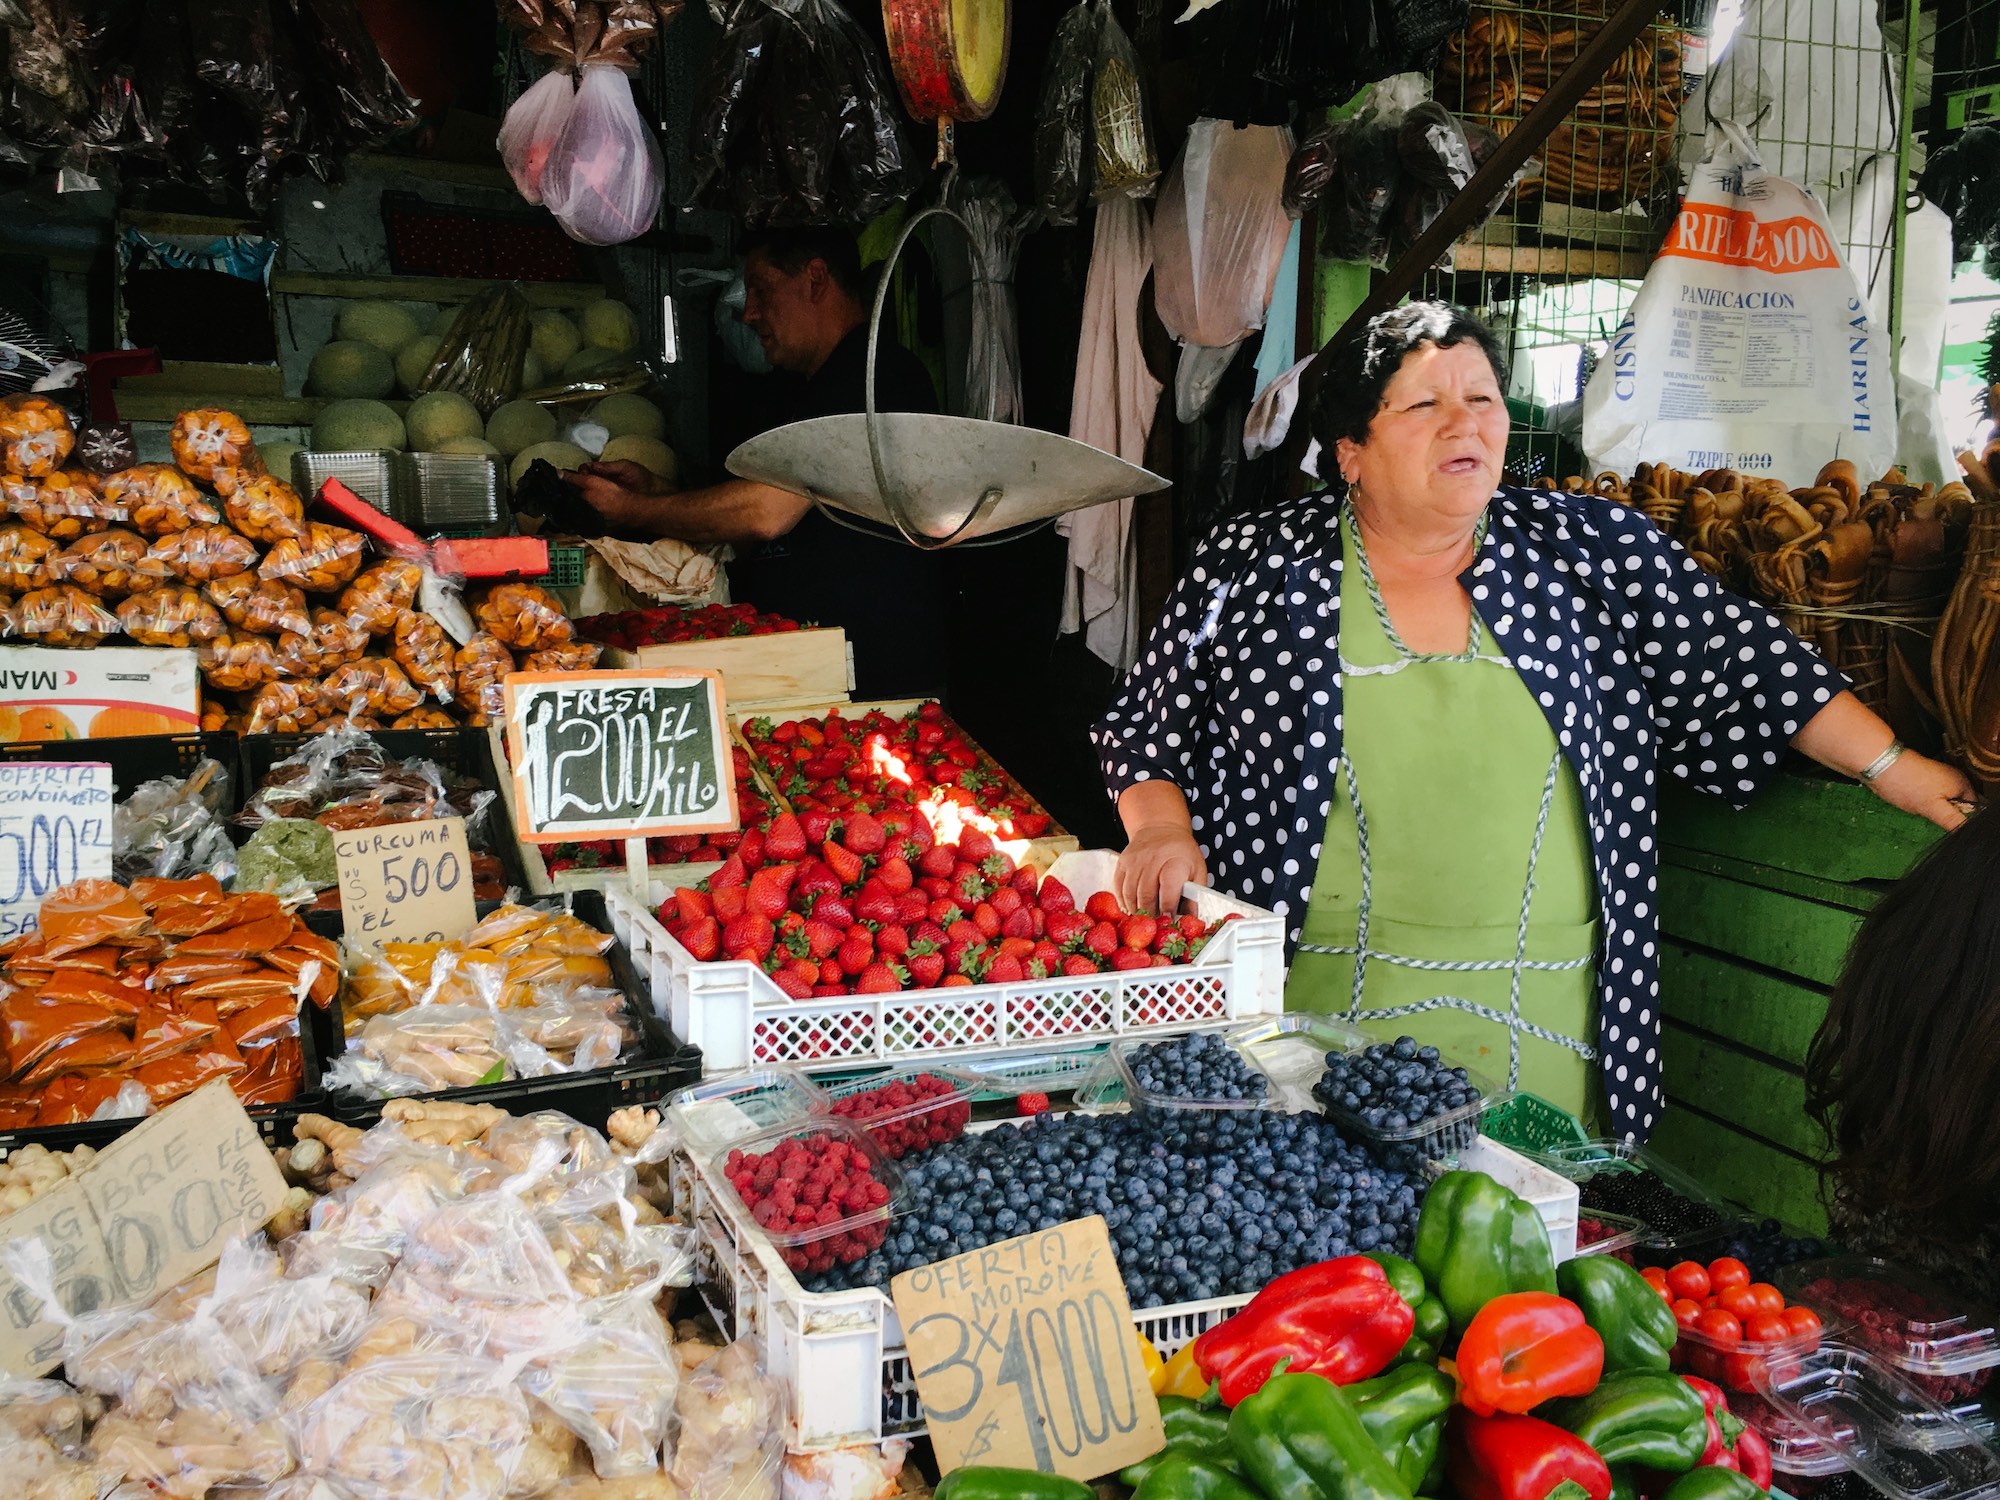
(236,662)
(425,718)
(523,616)
(319,562)
(61,615)
(260,606)
(159,500)
(109,564)
(570,656)
(425,652)
(62,507)
(379,593)
(35,435)
(264,508)
(285,708)
(331,643)
(208,441)
(204,553)
(24,558)
(373,686)
(172,616)
(479,667)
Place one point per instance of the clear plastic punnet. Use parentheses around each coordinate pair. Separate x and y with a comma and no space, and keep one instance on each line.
(907,1109)
(821,1192)
(1230,1078)
(1944,1341)
(719,1111)
(1854,1406)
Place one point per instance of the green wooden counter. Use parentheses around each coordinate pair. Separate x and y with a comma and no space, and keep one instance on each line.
(1757,910)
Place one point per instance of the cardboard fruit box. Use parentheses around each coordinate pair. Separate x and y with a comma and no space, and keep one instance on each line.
(49,693)
(790,666)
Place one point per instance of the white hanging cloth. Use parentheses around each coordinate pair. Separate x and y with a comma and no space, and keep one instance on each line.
(1112,409)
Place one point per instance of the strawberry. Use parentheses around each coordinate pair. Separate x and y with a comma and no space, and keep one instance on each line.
(1005,969)
(691,904)
(732,873)
(1067,927)
(1027,882)
(828,991)
(835,909)
(1193,927)
(815,875)
(926,967)
(1018,924)
(1173,947)
(816,825)
(822,937)
(751,850)
(875,903)
(731,901)
(936,887)
(1138,932)
(912,907)
(785,839)
(1049,956)
(1102,939)
(752,932)
(855,954)
(969,886)
(1032,1104)
(1053,896)
(896,874)
(702,938)
(864,835)
(1076,964)
(793,986)
(1131,958)
(997,866)
(1021,948)
(974,845)
(940,859)
(879,979)
(928,932)
(964,931)
(770,888)
(1103,907)
(892,941)
(845,864)
(986,919)
(944,912)
(1005,901)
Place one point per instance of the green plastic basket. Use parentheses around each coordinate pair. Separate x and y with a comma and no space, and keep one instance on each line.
(565,567)
(1529,1123)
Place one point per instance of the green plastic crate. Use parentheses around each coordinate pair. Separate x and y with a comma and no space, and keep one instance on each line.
(1530,1124)
(565,567)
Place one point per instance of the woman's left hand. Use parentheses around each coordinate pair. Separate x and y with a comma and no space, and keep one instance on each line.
(1928,788)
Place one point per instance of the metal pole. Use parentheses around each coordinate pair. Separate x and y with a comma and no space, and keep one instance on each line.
(1899,227)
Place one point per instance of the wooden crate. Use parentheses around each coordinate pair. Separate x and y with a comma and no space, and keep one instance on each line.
(1757,910)
(793,666)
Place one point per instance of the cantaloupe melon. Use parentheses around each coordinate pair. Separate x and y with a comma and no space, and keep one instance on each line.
(610,324)
(468,445)
(351,368)
(647,452)
(437,416)
(518,425)
(384,324)
(562,455)
(346,426)
(555,338)
(277,457)
(627,415)
(588,361)
(415,361)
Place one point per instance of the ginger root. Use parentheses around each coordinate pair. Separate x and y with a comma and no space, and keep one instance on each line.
(438,1122)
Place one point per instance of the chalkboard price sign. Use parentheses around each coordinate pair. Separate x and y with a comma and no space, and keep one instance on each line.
(629,755)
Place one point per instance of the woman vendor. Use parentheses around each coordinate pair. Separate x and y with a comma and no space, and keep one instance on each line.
(1422,718)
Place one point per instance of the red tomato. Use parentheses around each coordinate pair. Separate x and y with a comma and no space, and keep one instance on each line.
(1739,1300)
(1687,1313)
(1720,1327)
(1745,1372)
(1727,1272)
(1688,1280)
(1801,1320)
(1656,1278)
(1769,1298)
(1706,1363)
(1765,1328)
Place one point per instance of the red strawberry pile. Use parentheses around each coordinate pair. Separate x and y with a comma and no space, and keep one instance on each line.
(840,765)
(670,624)
(675,849)
(872,903)
(810,1184)
(921,1112)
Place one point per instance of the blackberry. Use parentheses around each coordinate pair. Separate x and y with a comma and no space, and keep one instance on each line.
(1633,1191)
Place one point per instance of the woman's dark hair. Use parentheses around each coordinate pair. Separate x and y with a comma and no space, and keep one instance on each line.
(1904,1071)
(1363,366)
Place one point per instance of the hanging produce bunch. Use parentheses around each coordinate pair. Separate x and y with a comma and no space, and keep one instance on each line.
(797,122)
(575,141)
(222,95)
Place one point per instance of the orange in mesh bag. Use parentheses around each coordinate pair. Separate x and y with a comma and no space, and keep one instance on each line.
(169,617)
(88,912)
(374,686)
(424,651)
(61,615)
(159,499)
(259,605)
(285,707)
(62,507)
(479,667)
(203,553)
(570,656)
(264,508)
(381,591)
(424,718)
(320,561)
(35,435)
(24,557)
(523,616)
(331,643)
(208,440)
(114,562)
(235,662)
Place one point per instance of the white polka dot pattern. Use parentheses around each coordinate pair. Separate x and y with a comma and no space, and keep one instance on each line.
(1639,659)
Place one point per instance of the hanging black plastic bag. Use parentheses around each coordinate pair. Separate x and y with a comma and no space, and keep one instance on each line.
(372,101)
(1062,120)
(232,53)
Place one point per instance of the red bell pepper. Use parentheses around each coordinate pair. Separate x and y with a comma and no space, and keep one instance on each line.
(1508,1457)
(1732,1443)
(1340,1319)
(1524,1348)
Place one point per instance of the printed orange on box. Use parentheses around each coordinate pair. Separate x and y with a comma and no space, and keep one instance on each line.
(105,693)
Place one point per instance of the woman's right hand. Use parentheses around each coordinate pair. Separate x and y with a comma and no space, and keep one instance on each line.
(1158,861)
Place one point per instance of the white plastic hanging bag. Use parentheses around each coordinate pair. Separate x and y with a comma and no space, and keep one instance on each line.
(1220,232)
(1749,346)
(604,176)
(533,125)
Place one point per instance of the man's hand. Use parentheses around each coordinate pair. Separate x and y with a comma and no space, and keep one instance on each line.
(624,493)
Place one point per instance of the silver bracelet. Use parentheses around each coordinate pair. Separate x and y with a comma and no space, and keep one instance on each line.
(1874,770)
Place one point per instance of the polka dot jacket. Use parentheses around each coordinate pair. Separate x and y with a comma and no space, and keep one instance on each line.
(1639,659)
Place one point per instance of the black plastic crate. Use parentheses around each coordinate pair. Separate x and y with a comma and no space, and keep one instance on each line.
(465,752)
(136,759)
(663,1064)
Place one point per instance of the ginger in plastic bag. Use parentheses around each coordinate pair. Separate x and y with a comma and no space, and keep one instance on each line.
(320,562)
(109,564)
(373,685)
(159,500)
(278,1324)
(425,652)
(260,605)
(523,616)
(479,669)
(604,177)
(202,554)
(24,558)
(265,509)
(730,1446)
(236,662)
(380,592)
(61,615)
(207,441)
(35,435)
(615,1386)
(63,506)
(444,1426)
(532,125)
(569,656)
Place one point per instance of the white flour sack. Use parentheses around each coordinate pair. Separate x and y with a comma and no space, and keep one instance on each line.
(1749,346)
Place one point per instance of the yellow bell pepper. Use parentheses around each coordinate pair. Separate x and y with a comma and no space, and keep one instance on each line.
(1150,1359)
(1180,1376)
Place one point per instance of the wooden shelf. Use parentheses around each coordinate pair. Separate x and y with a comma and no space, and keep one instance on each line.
(158,405)
(428,288)
(1551,262)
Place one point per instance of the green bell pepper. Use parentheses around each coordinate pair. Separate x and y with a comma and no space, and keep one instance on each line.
(1433,1322)
(1476,1240)
(1712,1483)
(1198,1429)
(1299,1438)
(1181,1476)
(1634,1321)
(1623,1486)
(985,1482)
(1653,1420)
(1404,1412)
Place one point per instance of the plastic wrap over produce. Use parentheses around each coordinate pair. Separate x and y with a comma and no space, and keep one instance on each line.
(1219,233)
(604,176)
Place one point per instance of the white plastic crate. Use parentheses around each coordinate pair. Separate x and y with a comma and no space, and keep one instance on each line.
(1555,1197)
(740,1019)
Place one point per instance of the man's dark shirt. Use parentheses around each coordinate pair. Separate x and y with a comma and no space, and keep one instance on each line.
(889,597)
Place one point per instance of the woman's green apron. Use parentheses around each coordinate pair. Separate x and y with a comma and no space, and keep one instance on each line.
(1454,899)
